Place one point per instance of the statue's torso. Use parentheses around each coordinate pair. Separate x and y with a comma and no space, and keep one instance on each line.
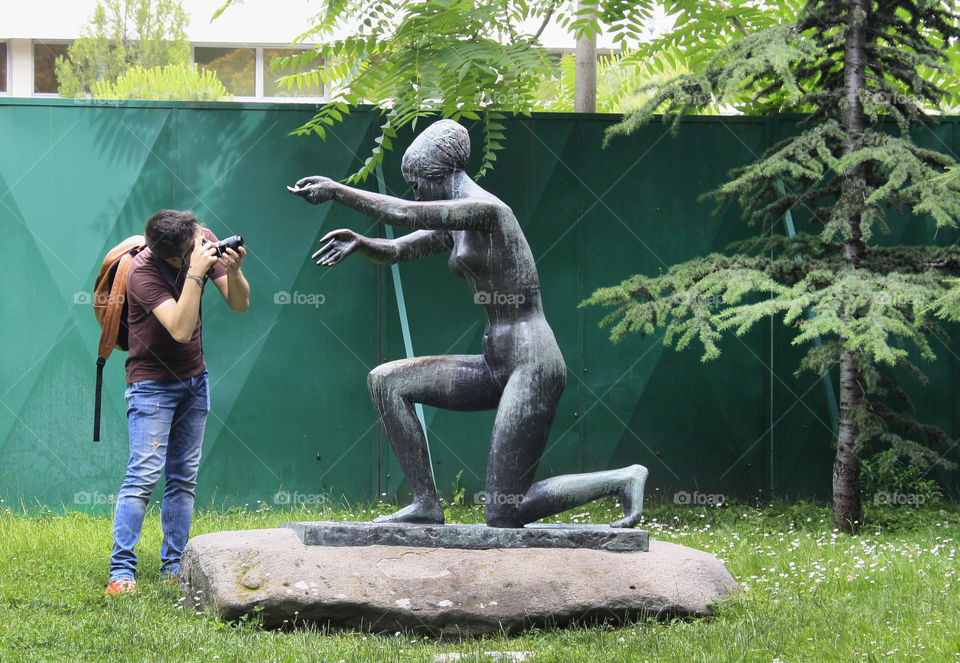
(500,269)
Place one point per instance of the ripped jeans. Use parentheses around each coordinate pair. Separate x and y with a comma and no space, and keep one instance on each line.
(166,422)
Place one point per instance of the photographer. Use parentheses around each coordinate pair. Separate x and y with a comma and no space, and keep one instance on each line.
(167,394)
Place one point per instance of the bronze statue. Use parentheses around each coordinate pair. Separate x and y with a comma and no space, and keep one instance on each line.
(521,372)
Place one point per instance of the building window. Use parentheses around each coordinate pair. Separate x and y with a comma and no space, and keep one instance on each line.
(236,67)
(271,76)
(44,57)
(3,67)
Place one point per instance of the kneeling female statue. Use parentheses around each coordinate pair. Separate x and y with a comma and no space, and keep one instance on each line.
(521,372)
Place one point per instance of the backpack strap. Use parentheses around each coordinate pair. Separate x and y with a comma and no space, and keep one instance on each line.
(96,405)
(114,310)
(116,303)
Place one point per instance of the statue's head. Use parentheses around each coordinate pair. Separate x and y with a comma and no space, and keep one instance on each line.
(438,152)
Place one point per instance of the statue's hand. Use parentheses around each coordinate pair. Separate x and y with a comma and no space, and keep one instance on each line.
(315,189)
(338,245)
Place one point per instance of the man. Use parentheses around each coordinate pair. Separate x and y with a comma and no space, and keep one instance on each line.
(167,394)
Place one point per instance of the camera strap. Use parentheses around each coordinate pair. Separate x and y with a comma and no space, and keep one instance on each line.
(167,272)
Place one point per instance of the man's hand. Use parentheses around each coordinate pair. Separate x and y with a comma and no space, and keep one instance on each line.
(231,259)
(315,189)
(203,257)
(340,244)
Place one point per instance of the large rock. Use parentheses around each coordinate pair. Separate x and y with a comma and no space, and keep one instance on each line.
(443,591)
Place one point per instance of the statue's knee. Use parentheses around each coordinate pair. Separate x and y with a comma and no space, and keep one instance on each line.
(639,471)
(378,381)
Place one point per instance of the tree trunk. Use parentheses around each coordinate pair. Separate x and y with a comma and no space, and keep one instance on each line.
(585,80)
(847,501)
(855,80)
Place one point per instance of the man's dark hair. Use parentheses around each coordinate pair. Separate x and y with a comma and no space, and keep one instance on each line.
(168,230)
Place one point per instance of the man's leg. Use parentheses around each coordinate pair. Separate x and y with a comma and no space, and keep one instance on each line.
(149,413)
(183,462)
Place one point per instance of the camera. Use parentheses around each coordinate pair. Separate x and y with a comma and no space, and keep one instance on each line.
(233,242)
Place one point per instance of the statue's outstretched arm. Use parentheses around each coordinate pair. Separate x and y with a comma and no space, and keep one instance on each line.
(338,244)
(460,214)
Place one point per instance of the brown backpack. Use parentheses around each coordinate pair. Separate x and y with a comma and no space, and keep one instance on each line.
(110,307)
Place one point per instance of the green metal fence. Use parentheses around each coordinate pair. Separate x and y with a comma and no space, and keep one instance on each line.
(291,417)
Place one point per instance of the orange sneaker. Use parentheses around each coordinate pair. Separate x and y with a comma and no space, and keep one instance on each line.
(122,586)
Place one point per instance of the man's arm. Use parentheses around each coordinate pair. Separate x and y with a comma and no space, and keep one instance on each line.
(233,286)
(179,316)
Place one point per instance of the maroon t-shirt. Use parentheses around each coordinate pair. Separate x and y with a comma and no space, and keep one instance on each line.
(154,355)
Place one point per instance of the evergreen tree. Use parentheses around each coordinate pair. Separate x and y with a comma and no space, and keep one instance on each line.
(169,83)
(124,34)
(865,71)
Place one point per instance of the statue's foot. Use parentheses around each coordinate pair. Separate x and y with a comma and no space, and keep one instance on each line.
(418,512)
(632,496)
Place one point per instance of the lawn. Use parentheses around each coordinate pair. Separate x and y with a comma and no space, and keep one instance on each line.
(808,594)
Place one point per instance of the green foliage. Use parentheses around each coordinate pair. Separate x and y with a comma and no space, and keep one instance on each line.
(419,59)
(121,35)
(622,81)
(169,83)
(886,475)
(845,298)
(700,28)
(459,491)
(455,58)
(948,306)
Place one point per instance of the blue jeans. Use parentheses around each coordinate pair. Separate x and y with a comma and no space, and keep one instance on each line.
(166,422)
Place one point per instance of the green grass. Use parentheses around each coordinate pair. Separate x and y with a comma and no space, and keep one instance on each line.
(809,594)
